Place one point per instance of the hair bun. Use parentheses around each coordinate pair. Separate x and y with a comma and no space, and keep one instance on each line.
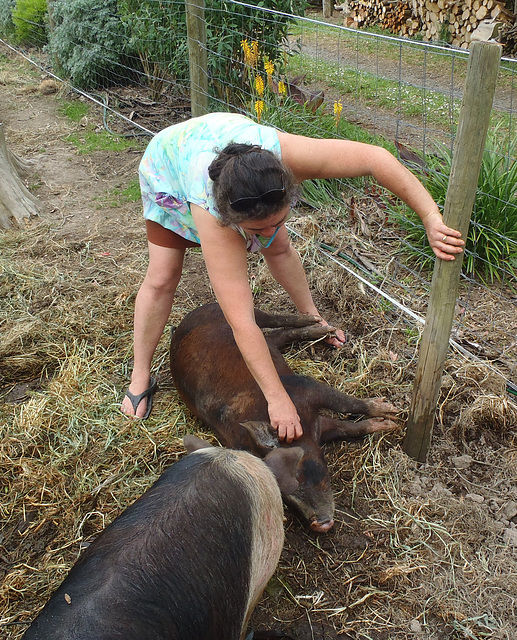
(239,149)
(230,154)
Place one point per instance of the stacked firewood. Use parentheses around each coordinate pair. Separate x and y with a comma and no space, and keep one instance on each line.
(386,13)
(452,21)
(508,38)
(459,19)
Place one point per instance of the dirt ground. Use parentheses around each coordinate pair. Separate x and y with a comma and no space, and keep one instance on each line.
(418,551)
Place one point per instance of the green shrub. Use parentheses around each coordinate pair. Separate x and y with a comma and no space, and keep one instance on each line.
(491,246)
(6,17)
(29,18)
(158,32)
(88,42)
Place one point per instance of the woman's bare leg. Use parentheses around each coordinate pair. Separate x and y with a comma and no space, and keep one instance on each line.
(152,308)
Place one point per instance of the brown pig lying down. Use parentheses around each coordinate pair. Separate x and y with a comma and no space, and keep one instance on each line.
(215,383)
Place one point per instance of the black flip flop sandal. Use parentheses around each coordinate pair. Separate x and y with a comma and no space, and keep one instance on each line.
(148,393)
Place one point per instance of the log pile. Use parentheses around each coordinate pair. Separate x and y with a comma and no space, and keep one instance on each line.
(450,21)
(388,14)
(459,19)
(508,39)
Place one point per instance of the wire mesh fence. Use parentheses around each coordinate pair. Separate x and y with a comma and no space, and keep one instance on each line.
(306,76)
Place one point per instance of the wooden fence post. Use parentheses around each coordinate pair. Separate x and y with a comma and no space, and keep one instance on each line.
(196,34)
(469,145)
(327,8)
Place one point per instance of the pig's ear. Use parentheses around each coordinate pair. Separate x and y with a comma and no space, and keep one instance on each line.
(263,434)
(193,443)
(283,462)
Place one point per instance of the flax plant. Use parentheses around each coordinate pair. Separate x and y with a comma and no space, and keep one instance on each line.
(491,246)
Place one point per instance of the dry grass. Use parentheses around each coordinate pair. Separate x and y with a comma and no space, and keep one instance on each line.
(410,549)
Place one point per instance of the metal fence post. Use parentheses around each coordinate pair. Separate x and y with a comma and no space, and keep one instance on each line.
(474,118)
(196,33)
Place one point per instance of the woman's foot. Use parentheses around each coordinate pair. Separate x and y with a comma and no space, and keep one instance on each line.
(139,405)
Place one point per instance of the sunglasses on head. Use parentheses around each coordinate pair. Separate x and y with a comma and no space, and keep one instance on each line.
(268,197)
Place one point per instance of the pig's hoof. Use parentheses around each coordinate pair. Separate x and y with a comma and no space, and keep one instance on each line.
(322,527)
(382,424)
(382,409)
(336,339)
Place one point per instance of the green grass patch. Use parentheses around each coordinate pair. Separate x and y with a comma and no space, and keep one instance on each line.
(376,92)
(132,192)
(74,110)
(118,196)
(89,141)
(318,42)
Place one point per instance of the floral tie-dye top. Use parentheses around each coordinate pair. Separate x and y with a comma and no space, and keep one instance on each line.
(174,168)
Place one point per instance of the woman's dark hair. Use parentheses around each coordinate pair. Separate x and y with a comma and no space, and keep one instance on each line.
(250,183)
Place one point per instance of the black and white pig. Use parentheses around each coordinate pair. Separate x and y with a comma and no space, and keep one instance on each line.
(215,383)
(187,560)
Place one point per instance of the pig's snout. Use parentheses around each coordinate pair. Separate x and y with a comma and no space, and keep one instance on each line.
(322,526)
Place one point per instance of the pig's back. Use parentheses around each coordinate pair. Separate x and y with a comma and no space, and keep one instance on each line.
(179,563)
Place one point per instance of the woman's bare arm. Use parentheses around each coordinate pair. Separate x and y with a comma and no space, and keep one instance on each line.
(332,158)
(224,252)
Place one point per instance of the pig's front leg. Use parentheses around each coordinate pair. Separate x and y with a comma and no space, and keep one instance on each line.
(379,408)
(335,429)
(280,337)
(323,396)
(277,320)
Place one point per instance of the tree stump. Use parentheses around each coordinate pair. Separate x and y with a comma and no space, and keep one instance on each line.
(17,204)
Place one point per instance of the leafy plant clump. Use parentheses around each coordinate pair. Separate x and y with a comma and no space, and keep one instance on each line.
(227,28)
(158,33)
(491,246)
(6,18)
(29,18)
(88,42)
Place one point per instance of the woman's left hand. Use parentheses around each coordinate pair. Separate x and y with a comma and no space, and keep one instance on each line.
(444,241)
(337,339)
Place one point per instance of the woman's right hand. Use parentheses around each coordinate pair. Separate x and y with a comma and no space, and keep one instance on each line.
(444,241)
(285,419)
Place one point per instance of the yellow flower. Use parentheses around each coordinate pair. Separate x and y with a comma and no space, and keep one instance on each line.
(251,53)
(338,108)
(269,67)
(282,89)
(254,53)
(246,50)
(259,85)
(259,108)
